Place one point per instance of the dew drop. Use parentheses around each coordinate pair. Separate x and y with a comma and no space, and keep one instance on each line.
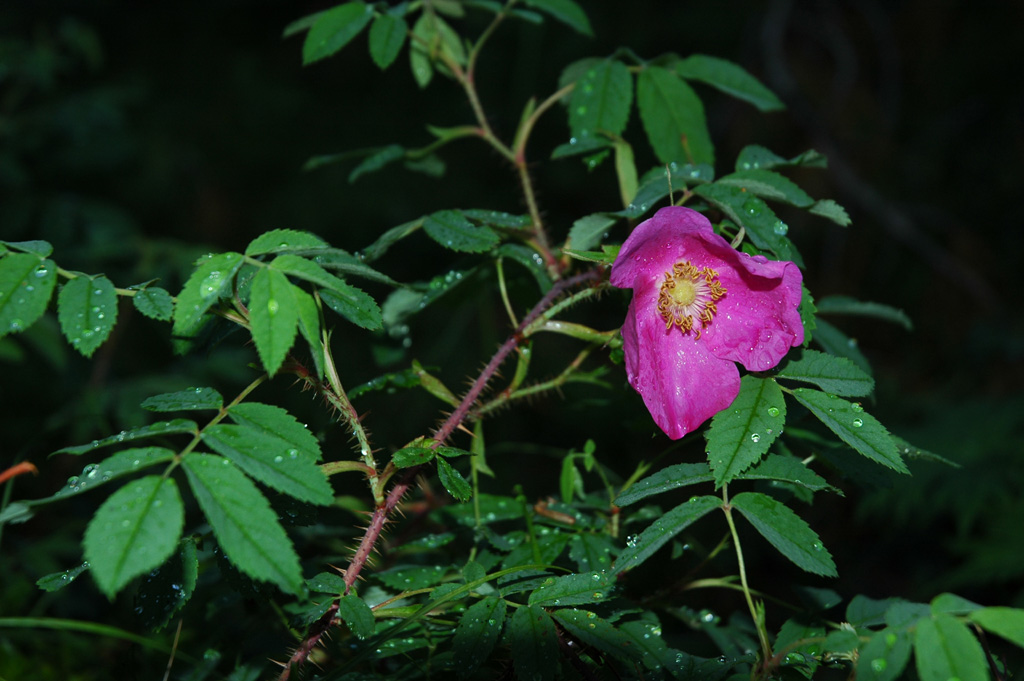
(780,227)
(272,306)
(773,411)
(857,407)
(278,459)
(857,423)
(878,665)
(42,272)
(631,540)
(752,207)
(817,546)
(755,437)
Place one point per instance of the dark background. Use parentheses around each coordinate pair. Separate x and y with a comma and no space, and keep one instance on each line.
(136,137)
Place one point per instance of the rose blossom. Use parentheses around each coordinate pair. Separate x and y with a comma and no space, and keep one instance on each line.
(698,307)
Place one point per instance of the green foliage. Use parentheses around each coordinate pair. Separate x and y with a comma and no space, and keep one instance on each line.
(134,531)
(553,563)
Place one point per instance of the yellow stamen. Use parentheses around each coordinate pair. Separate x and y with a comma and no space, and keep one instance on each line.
(688,296)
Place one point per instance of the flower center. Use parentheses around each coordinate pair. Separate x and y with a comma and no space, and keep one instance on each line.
(688,296)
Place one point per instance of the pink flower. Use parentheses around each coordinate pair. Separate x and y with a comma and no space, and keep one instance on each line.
(698,307)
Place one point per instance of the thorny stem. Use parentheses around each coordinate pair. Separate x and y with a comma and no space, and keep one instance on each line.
(383,511)
(766,649)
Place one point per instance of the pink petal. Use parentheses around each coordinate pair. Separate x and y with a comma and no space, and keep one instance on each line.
(757,320)
(672,234)
(681,382)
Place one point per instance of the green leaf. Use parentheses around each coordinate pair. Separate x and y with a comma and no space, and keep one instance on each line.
(274,421)
(211,281)
(787,469)
(528,258)
(769,185)
(477,633)
(566,11)
(499,218)
(453,481)
(301,268)
(155,303)
(835,342)
(357,615)
(854,426)
(193,399)
(87,310)
(592,552)
(534,641)
(829,209)
(58,580)
(570,482)
(654,185)
(37,247)
(575,589)
(640,548)
(26,284)
(118,465)
(412,456)
(355,305)
(665,480)
(157,429)
(309,327)
(283,240)
(274,317)
(387,35)
(344,262)
(884,656)
(1001,621)
(243,522)
(165,591)
(601,101)
(588,232)
(766,230)
(135,530)
(786,531)
(673,118)
(953,605)
(598,633)
(380,158)
(334,29)
(389,238)
(848,306)
(730,78)
(946,649)
(423,34)
(756,156)
(326,583)
(625,171)
(836,375)
(451,229)
(272,461)
(741,434)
